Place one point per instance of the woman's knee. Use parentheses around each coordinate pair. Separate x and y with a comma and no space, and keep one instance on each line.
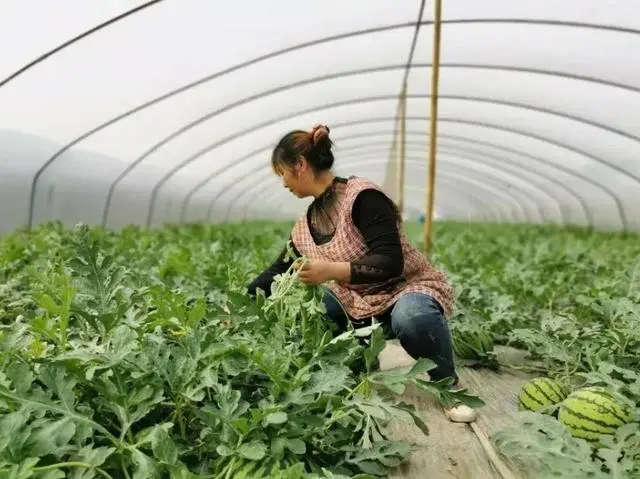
(417,313)
(419,323)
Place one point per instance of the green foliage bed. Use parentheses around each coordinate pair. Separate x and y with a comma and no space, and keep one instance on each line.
(136,355)
(570,298)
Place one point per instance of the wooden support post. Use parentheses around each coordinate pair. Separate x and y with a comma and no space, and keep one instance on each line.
(431,171)
(390,184)
(393,165)
(402,157)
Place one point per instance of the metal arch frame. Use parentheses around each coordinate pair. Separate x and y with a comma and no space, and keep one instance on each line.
(292,48)
(194,84)
(211,147)
(503,149)
(489,212)
(472,200)
(210,115)
(247,100)
(224,109)
(486,158)
(495,214)
(457,138)
(611,193)
(453,152)
(479,185)
(216,171)
(76,39)
(496,191)
(472,205)
(467,204)
(464,169)
(424,65)
(253,193)
(489,177)
(414,42)
(455,212)
(173,170)
(459,171)
(260,189)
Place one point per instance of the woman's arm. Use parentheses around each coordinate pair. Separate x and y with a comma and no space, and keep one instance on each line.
(376,217)
(264,280)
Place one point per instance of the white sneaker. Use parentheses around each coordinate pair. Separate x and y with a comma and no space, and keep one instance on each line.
(460,412)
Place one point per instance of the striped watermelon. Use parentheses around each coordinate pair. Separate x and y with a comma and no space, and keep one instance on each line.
(539,393)
(591,412)
(471,343)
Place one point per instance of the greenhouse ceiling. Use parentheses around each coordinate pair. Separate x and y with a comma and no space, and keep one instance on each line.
(121,112)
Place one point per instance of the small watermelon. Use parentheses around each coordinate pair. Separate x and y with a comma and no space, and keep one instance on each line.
(471,343)
(591,412)
(462,349)
(483,341)
(539,393)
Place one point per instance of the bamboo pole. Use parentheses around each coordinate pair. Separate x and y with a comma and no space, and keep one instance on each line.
(402,158)
(389,183)
(431,171)
(391,175)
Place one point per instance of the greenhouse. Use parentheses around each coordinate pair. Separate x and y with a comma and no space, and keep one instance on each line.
(325,240)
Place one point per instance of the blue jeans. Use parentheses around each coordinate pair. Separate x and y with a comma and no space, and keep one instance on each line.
(417,321)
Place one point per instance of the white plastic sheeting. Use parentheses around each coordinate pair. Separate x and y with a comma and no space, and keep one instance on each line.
(135,112)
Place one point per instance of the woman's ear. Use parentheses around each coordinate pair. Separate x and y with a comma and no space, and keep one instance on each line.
(301,165)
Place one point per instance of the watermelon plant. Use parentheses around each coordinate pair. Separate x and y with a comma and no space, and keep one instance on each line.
(138,355)
(473,344)
(571,299)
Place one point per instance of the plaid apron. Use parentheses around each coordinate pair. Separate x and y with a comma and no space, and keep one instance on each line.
(362,301)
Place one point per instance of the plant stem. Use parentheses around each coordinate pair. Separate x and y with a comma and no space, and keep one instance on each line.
(531,369)
(124,469)
(229,469)
(61,465)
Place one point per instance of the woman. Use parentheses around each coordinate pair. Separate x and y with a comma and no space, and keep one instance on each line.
(353,238)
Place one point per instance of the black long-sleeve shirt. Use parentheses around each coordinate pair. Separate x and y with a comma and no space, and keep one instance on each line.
(373,214)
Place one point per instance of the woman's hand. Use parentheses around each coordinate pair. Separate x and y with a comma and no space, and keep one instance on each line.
(319,272)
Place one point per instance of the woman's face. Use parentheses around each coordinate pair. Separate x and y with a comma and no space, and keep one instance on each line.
(296,179)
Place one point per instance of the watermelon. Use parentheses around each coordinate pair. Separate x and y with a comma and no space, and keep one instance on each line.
(471,343)
(539,393)
(591,412)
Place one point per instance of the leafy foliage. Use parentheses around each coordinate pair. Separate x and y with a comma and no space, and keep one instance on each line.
(138,355)
(571,299)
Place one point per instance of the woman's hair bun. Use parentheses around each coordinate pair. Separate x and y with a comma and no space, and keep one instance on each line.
(323,157)
(320,134)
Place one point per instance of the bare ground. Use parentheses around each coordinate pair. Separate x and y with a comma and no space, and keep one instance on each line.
(453,450)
